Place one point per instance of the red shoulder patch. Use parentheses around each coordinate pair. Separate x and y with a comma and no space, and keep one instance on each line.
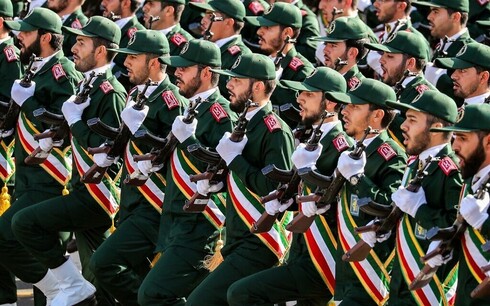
(353,82)
(386,151)
(234,50)
(131,31)
(170,99)
(256,8)
(272,123)
(340,143)
(304,13)
(218,112)
(106,87)
(295,64)
(411,159)
(178,39)
(483,2)
(447,165)
(58,71)
(421,88)
(76,24)
(10,55)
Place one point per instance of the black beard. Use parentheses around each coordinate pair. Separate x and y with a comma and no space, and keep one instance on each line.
(473,162)
(35,48)
(239,105)
(63,5)
(194,85)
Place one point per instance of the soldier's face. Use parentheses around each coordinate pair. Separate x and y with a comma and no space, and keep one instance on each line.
(57,5)
(216,28)
(327,7)
(440,22)
(332,51)
(467,81)
(470,148)
(385,11)
(356,119)
(270,39)
(152,8)
(240,91)
(30,43)
(138,70)
(113,6)
(415,132)
(84,54)
(188,79)
(311,104)
(393,66)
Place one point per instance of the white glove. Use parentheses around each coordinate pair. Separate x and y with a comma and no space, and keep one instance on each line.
(432,73)
(274,207)
(73,112)
(182,130)
(409,202)
(203,187)
(303,158)
(133,118)
(146,167)
(310,209)
(5,134)
(103,161)
(47,144)
(437,260)
(370,237)
(475,211)
(229,149)
(348,166)
(20,94)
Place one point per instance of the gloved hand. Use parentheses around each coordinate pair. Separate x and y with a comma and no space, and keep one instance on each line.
(370,237)
(437,260)
(310,209)
(409,202)
(203,187)
(146,167)
(274,207)
(303,158)
(229,149)
(47,144)
(133,118)
(103,161)
(182,130)
(20,94)
(348,166)
(73,112)
(474,211)
(5,134)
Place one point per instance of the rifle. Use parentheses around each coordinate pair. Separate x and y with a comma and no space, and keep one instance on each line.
(152,20)
(117,139)
(208,34)
(280,53)
(440,51)
(289,182)
(9,118)
(336,12)
(113,16)
(162,148)
(59,127)
(26,7)
(339,63)
(449,237)
(382,226)
(216,170)
(483,289)
(399,85)
(328,187)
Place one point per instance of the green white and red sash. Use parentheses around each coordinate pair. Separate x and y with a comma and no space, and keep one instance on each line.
(106,193)
(181,168)
(56,164)
(249,208)
(153,188)
(371,271)
(7,164)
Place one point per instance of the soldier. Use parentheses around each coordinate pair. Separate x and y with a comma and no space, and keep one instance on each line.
(226,33)
(470,144)
(433,204)
(301,279)
(269,142)
(374,176)
(185,239)
(471,73)
(87,210)
(72,17)
(403,59)
(135,239)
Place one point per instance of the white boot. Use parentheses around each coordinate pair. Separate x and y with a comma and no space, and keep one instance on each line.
(49,286)
(73,287)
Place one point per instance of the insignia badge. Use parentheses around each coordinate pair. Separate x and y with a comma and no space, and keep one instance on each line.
(462,51)
(272,123)
(131,40)
(106,87)
(218,112)
(178,39)
(131,32)
(386,151)
(483,2)
(256,8)
(421,88)
(340,143)
(185,48)
(10,54)
(58,71)
(460,114)
(295,64)
(312,74)
(420,232)
(331,28)
(391,37)
(269,10)
(170,99)
(76,24)
(354,83)
(237,62)
(447,165)
(234,50)
(354,205)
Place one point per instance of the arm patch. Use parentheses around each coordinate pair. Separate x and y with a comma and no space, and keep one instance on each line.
(58,72)
(386,151)
(256,8)
(178,39)
(76,24)
(131,31)
(422,87)
(295,64)
(170,99)
(10,55)
(447,165)
(106,87)
(340,143)
(218,112)
(234,50)
(272,123)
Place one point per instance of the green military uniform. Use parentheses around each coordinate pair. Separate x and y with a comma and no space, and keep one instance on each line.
(184,239)
(177,39)
(249,32)
(76,20)
(9,61)
(191,20)
(353,76)
(310,28)
(479,10)
(133,243)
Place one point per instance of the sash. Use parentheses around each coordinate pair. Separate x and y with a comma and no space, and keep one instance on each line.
(181,168)
(105,193)
(153,188)
(249,208)
(7,165)
(56,164)
(371,272)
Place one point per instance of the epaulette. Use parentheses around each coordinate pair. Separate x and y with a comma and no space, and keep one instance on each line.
(272,123)
(411,159)
(447,165)
(106,87)
(386,151)
(76,24)
(170,99)
(256,8)
(340,143)
(295,64)
(58,72)
(421,88)
(234,50)
(10,55)
(353,82)
(178,39)
(218,112)
(131,31)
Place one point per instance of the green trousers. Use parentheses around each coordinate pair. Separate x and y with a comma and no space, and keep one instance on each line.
(8,289)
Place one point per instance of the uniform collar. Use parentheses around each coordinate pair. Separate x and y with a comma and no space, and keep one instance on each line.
(223,41)
(38,66)
(479,178)
(476,100)
(249,115)
(5,39)
(150,89)
(123,21)
(98,70)
(453,38)
(327,127)
(168,30)
(204,95)
(433,151)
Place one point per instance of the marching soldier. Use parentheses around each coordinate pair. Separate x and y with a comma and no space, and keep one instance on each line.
(87,210)
(135,239)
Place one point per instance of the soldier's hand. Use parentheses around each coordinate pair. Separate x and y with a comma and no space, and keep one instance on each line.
(310,209)
(204,187)
(408,201)
(182,130)
(474,211)
(303,158)
(20,94)
(104,161)
(274,206)
(47,144)
(146,167)
(228,149)
(370,237)
(348,166)
(133,118)
(437,260)
(72,111)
